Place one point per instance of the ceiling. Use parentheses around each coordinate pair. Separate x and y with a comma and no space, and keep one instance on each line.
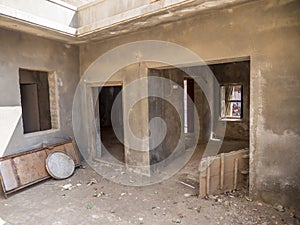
(78,3)
(126,21)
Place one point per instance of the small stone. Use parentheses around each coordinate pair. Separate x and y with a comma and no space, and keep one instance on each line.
(176,221)
(97,195)
(214,197)
(226,203)
(92,181)
(67,187)
(95,216)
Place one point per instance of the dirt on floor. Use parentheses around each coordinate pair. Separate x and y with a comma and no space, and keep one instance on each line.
(88,198)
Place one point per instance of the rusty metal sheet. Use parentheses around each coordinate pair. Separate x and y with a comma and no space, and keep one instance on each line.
(23,169)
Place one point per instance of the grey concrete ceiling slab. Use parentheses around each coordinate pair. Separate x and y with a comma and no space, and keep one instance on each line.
(140,16)
(133,21)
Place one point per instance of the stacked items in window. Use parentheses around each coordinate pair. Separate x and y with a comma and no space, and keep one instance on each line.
(231,101)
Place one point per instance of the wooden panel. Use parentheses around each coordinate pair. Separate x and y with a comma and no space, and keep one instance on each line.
(224,172)
(21,170)
(69,149)
(7,170)
(58,148)
(31,167)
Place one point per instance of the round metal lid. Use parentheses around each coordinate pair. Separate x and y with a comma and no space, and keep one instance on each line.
(59,165)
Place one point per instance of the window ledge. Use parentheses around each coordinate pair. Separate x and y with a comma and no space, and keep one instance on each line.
(43,132)
(231,119)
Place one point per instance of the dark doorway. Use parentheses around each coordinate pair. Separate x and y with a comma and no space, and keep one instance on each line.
(111,121)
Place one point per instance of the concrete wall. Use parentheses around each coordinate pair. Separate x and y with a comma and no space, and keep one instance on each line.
(137,117)
(170,109)
(225,73)
(236,72)
(94,12)
(268,32)
(114,11)
(20,50)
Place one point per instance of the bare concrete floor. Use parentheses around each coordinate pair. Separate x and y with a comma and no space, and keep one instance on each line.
(106,202)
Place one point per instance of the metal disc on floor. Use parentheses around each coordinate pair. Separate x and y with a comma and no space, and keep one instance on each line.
(59,165)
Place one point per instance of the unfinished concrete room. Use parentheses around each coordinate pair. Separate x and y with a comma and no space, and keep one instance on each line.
(149,112)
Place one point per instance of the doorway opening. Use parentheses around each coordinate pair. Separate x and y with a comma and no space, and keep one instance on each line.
(230,103)
(188,105)
(111,122)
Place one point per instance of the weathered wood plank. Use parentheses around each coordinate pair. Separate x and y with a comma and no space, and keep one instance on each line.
(21,170)
(223,172)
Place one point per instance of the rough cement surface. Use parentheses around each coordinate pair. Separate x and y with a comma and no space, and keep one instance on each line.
(268,32)
(100,201)
(19,50)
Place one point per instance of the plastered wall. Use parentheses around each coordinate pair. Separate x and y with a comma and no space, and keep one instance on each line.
(268,32)
(19,50)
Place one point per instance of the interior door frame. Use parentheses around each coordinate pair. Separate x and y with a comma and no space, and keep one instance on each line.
(94,138)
